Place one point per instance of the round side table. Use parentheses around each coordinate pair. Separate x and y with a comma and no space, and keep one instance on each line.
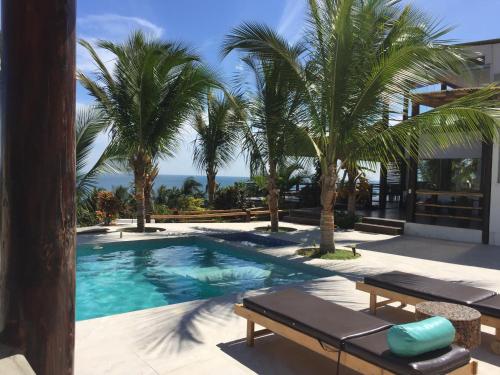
(466,320)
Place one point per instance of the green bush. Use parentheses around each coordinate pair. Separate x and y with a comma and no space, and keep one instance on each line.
(190,203)
(85,217)
(231,197)
(345,221)
(162,209)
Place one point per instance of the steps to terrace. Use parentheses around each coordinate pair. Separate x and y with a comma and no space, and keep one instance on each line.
(381,226)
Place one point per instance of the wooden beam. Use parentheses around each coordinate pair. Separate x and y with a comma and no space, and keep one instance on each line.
(486,172)
(412,173)
(382,203)
(38,181)
(403,167)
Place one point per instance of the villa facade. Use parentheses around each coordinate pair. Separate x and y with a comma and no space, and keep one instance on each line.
(455,193)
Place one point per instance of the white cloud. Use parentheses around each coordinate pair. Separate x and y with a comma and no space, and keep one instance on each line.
(113,27)
(292,19)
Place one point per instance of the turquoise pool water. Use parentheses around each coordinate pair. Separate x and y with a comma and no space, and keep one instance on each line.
(120,277)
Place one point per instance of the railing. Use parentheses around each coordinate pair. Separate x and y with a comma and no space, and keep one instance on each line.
(451,208)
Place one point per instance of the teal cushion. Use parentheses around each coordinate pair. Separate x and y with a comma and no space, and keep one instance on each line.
(412,339)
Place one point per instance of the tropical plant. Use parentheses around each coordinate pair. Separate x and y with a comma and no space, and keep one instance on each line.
(108,207)
(89,124)
(288,176)
(364,58)
(126,199)
(353,186)
(217,132)
(230,197)
(191,187)
(86,209)
(274,111)
(154,88)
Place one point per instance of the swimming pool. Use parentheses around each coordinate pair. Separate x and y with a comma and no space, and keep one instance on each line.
(119,277)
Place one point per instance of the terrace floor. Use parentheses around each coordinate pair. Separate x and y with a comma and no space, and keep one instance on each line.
(202,337)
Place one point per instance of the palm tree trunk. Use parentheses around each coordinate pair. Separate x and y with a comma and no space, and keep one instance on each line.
(147,200)
(211,187)
(327,221)
(351,203)
(139,174)
(351,192)
(273,197)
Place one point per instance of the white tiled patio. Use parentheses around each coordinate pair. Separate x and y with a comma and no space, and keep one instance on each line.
(203,337)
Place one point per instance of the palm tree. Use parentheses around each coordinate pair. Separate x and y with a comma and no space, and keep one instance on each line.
(154,88)
(191,187)
(274,111)
(363,55)
(217,133)
(89,124)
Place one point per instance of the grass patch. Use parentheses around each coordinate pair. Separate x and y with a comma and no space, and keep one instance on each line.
(339,254)
(280,229)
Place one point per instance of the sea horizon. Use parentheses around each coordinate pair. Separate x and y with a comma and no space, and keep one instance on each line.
(110,181)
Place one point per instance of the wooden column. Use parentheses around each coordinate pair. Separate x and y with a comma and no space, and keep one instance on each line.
(486,172)
(382,203)
(403,170)
(412,173)
(38,181)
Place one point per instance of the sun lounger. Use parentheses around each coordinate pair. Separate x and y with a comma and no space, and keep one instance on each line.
(351,338)
(411,289)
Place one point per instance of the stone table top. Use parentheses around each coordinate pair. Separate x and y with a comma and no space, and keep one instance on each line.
(450,311)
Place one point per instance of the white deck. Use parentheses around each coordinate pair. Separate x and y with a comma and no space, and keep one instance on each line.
(205,337)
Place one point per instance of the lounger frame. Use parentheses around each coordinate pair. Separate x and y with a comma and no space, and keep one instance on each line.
(405,299)
(346,359)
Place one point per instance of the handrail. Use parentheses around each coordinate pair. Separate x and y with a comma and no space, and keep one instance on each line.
(450,193)
(449,216)
(421,204)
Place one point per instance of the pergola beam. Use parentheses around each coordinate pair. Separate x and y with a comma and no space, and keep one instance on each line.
(38,189)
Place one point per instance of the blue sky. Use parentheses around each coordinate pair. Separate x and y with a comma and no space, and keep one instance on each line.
(203,24)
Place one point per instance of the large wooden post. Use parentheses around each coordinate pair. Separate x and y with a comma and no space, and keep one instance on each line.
(412,173)
(486,172)
(38,181)
(403,170)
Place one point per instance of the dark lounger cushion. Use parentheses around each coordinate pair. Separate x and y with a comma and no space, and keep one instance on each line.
(428,288)
(326,321)
(373,348)
(489,306)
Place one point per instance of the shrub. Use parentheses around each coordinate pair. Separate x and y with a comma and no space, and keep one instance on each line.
(190,203)
(345,221)
(108,207)
(231,197)
(85,217)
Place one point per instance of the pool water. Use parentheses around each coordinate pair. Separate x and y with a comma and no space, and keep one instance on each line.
(120,277)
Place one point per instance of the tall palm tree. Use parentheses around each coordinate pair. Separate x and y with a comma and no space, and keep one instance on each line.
(217,133)
(274,112)
(154,88)
(363,55)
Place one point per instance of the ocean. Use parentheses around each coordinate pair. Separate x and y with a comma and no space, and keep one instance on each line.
(108,181)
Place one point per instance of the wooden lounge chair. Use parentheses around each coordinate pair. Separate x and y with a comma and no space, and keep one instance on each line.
(351,338)
(411,289)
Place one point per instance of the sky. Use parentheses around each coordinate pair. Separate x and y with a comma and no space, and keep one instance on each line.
(202,24)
